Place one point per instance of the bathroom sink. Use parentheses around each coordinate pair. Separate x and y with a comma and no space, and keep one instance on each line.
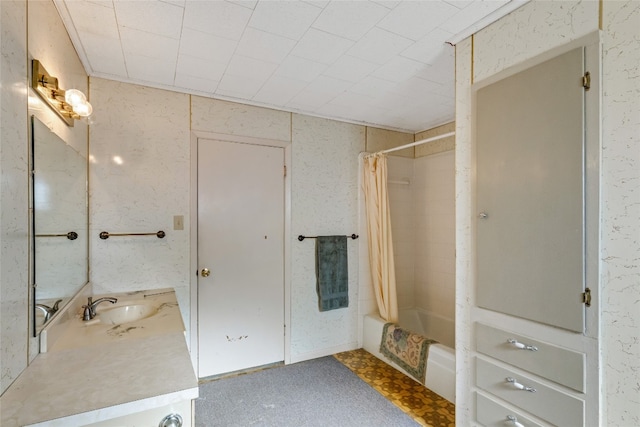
(127,313)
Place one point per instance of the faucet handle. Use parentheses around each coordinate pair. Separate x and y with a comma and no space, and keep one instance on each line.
(86,314)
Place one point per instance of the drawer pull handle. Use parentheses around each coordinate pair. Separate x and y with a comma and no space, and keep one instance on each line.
(522,346)
(519,386)
(514,421)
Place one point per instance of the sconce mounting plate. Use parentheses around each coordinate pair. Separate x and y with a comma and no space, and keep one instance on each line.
(46,86)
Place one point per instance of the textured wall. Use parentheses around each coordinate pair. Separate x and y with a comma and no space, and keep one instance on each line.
(212,115)
(324,201)
(139,179)
(14,215)
(49,43)
(382,139)
(438,146)
(620,204)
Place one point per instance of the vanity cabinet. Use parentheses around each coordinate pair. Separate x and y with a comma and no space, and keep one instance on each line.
(104,375)
(153,417)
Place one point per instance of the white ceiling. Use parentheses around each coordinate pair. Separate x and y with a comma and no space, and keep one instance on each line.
(382,63)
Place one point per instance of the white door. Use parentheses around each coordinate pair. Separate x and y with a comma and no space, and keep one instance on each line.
(241,243)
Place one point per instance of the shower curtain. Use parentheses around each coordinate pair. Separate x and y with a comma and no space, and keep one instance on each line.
(379,232)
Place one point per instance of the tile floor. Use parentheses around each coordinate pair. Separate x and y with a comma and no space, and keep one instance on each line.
(424,406)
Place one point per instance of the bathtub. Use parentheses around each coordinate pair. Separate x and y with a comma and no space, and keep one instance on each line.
(441,363)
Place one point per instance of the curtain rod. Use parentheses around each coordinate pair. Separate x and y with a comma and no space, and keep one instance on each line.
(413,144)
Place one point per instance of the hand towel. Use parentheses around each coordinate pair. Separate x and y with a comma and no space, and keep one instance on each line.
(332,277)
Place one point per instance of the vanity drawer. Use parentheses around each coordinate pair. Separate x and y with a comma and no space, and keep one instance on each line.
(566,367)
(492,414)
(545,402)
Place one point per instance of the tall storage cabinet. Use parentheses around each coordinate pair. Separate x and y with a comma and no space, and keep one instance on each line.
(534,201)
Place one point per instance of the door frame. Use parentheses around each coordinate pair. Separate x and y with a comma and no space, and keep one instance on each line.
(193,218)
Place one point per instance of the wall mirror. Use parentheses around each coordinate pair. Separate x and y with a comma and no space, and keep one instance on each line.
(60,222)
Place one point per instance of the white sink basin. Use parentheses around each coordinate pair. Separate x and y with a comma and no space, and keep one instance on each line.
(126,313)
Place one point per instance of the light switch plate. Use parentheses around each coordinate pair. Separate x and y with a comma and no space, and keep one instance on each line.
(178,222)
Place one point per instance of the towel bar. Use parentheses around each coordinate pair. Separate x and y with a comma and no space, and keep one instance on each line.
(301,237)
(105,234)
(72,235)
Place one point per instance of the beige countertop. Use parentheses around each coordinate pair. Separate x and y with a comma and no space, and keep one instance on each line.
(97,371)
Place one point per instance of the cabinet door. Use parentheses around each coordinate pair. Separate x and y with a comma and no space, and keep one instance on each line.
(530,193)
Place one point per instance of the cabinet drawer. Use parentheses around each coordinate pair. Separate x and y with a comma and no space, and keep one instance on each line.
(492,414)
(554,363)
(545,402)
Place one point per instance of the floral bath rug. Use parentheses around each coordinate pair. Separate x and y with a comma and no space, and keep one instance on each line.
(407,349)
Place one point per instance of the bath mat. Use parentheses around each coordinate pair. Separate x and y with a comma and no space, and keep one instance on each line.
(407,349)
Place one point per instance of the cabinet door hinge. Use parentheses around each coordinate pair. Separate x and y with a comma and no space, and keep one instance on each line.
(285,170)
(586,81)
(586,297)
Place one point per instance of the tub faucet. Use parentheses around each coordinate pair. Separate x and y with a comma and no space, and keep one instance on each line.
(90,309)
(48,311)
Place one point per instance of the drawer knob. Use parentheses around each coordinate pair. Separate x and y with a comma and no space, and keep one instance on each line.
(522,346)
(519,386)
(514,421)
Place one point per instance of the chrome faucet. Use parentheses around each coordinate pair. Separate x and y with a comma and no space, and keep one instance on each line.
(48,311)
(90,309)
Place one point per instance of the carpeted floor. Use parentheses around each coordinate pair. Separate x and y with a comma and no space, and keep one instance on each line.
(424,406)
(321,392)
(351,389)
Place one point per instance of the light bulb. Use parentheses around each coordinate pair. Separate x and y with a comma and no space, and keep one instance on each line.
(83,109)
(74,97)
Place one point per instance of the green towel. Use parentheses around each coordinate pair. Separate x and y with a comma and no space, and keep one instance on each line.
(332,276)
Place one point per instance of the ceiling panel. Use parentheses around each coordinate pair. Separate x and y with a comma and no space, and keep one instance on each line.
(350,68)
(415,19)
(220,18)
(265,46)
(384,63)
(349,19)
(151,16)
(321,47)
(137,42)
(95,18)
(104,53)
(300,69)
(279,91)
(289,19)
(379,46)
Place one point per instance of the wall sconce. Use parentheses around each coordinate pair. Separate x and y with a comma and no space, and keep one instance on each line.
(70,105)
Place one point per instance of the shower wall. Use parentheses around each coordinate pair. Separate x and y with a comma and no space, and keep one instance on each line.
(400,178)
(422,203)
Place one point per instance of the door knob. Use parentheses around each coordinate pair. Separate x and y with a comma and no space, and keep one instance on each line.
(205,272)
